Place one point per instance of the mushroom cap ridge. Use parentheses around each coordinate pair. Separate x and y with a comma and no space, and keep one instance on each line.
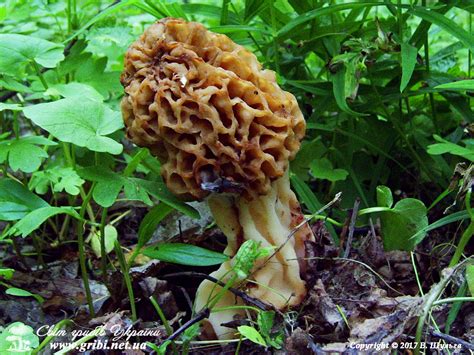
(203,105)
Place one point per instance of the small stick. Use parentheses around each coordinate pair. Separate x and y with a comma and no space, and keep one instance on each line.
(202,314)
(451,339)
(355,211)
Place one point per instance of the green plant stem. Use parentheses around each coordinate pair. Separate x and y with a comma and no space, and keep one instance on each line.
(53,331)
(453,299)
(163,319)
(431,298)
(466,236)
(103,254)
(128,282)
(39,251)
(82,254)
(16,247)
(40,75)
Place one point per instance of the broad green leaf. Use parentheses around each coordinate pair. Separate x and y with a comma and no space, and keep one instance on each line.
(23,153)
(79,120)
(470,278)
(151,221)
(20,337)
(322,169)
(36,218)
(461,85)
(7,273)
(407,218)
(19,292)
(251,334)
(18,50)
(384,196)
(106,193)
(447,147)
(74,89)
(409,54)
(110,234)
(16,200)
(446,24)
(184,254)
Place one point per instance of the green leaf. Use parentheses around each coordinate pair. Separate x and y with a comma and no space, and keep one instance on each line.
(461,85)
(384,196)
(339,91)
(16,201)
(79,120)
(10,107)
(322,169)
(151,221)
(23,154)
(19,50)
(19,292)
(287,30)
(110,234)
(251,334)
(60,178)
(446,24)
(305,193)
(409,54)
(447,147)
(34,219)
(74,89)
(184,254)
(407,218)
(470,278)
(18,338)
(6,273)
(454,217)
(158,190)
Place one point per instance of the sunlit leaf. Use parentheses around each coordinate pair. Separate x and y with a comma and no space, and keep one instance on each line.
(409,54)
(79,120)
(18,50)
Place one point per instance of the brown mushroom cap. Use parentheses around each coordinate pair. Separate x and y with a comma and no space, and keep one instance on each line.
(202,104)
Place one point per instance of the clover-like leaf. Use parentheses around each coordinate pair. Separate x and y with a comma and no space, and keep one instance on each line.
(82,121)
(18,50)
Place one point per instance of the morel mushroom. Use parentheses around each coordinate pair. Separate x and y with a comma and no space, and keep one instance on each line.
(223,130)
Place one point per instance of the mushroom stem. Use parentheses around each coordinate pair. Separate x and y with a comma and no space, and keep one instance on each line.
(268,220)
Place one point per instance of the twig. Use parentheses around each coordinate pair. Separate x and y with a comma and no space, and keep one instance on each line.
(451,339)
(202,314)
(355,211)
(249,299)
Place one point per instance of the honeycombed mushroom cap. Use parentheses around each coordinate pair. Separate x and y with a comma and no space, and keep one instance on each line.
(203,105)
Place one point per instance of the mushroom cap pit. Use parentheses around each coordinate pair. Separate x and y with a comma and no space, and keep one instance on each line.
(203,105)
